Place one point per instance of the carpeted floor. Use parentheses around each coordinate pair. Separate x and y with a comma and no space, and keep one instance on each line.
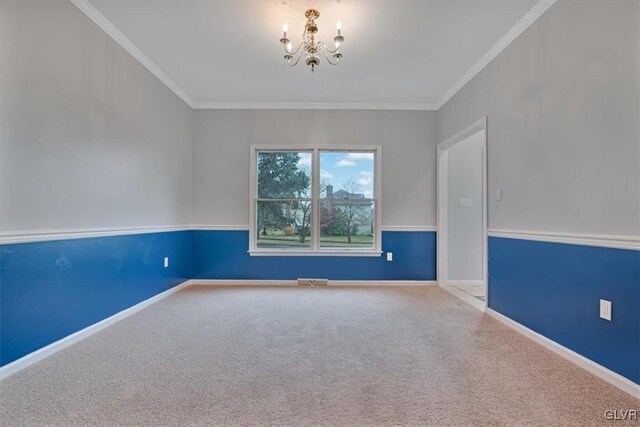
(307,356)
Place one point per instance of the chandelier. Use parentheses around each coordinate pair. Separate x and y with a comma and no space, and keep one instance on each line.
(309,46)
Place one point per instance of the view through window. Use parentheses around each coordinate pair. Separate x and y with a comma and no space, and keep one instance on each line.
(346,200)
(284,200)
(299,207)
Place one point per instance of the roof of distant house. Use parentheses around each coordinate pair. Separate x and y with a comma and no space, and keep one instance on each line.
(342,194)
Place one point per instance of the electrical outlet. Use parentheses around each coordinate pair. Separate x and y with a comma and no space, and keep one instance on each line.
(166,262)
(389,256)
(499,194)
(605,309)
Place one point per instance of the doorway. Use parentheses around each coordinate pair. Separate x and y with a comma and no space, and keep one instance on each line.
(462,215)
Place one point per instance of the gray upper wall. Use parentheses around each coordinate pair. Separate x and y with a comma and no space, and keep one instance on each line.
(563,111)
(89,137)
(222,153)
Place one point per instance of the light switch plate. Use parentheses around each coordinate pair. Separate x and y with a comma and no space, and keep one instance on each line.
(499,194)
(389,256)
(464,203)
(166,262)
(605,309)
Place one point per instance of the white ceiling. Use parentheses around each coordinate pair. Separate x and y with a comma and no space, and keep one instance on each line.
(397,54)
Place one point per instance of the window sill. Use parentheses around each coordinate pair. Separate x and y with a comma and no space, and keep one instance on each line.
(286,252)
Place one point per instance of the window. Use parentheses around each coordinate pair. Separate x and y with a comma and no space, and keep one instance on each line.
(317,201)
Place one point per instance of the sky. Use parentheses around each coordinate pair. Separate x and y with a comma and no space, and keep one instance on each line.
(337,168)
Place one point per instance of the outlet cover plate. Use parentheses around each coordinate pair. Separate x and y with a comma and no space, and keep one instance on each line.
(605,309)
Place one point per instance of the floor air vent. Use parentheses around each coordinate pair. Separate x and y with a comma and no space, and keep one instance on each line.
(312,282)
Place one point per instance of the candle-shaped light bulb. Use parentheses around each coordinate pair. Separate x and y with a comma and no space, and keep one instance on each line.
(338,25)
(285,28)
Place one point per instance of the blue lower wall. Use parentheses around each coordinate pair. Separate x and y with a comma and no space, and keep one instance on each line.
(49,290)
(223,255)
(555,289)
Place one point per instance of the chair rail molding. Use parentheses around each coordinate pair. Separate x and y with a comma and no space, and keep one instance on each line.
(603,240)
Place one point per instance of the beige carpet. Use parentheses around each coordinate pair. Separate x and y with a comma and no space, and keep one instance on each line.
(307,356)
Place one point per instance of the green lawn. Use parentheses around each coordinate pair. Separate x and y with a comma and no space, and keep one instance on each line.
(276,238)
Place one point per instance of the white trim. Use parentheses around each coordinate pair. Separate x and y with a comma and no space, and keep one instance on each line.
(468,298)
(32,236)
(309,252)
(465,282)
(220,227)
(242,282)
(441,204)
(382,283)
(315,249)
(372,283)
(525,22)
(473,128)
(310,147)
(315,196)
(602,240)
(253,186)
(383,228)
(600,371)
(111,30)
(409,228)
(28,236)
(408,106)
(65,342)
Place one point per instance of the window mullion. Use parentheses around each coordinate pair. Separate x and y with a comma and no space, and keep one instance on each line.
(315,190)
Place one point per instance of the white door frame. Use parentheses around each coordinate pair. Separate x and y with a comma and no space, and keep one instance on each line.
(442,272)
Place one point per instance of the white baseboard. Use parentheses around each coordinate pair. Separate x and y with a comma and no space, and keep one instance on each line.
(465,282)
(468,298)
(56,346)
(600,371)
(244,282)
(382,283)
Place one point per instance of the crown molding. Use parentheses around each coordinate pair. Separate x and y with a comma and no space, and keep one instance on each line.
(525,22)
(312,106)
(111,30)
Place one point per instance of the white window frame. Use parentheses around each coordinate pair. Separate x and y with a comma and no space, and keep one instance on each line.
(315,249)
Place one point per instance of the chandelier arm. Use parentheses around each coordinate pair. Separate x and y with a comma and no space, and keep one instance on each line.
(324,46)
(297,59)
(323,50)
(293,52)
